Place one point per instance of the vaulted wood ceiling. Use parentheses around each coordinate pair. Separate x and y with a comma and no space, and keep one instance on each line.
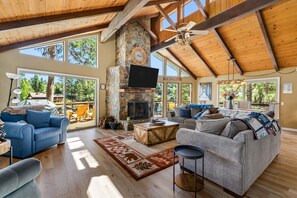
(261,40)
(244,38)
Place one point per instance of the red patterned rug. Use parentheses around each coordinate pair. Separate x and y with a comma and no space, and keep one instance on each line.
(136,163)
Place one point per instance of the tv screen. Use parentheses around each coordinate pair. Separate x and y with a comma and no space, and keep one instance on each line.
(142,77)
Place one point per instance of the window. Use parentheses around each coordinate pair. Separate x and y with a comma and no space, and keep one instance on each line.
(172,96)
(53,51)
(224,89)
(157,62)
(166,24)
(186,90)
(171,70)
(158,100)
(261,92)
(83,51)
(184,74)
(191,7)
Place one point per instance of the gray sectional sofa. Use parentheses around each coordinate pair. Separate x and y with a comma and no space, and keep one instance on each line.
(232,162)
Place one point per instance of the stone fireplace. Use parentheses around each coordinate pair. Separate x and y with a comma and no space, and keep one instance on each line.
(138,110)
(120,99)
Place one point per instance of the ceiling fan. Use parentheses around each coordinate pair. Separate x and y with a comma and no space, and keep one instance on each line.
(184,33)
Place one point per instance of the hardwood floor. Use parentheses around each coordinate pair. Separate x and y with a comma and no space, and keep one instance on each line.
(68,169)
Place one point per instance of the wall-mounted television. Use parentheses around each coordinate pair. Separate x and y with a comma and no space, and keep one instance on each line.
(142,77)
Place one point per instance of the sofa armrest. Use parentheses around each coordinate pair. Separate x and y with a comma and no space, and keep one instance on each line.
(62,123)
(17,175)
(17,130)
(217,145)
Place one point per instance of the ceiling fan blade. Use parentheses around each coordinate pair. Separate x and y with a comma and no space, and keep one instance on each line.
(170,30)
(170,39)
(190,25)
(201,32)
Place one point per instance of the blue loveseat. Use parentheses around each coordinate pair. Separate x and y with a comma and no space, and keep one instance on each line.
(27,139)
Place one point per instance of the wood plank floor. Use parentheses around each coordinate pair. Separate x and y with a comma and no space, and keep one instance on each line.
(68,169)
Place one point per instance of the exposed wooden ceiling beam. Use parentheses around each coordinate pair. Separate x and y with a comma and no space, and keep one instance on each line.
(131,8)
(227,50)
(72,15)
(166,16)
(267,40)
(198,54)
(52,37)
(219,37)
(149,31)
(232,14)
(181,63)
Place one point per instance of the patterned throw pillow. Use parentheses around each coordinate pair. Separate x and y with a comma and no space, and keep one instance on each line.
(197,115)
(185,113)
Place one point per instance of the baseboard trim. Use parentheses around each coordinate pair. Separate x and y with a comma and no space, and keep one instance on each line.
(289,129)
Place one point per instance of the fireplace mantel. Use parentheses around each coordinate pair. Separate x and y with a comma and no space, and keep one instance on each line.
(137,90)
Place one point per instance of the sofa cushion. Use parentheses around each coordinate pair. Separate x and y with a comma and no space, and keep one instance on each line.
(213,126)
(178,119)
(194,112)
(190,121)
(185,113)
(7,117)
(45,133)
(214,116)
(39,119)
(233,128)
(214,110)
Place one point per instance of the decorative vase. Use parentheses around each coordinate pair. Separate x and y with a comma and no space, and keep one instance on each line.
(230,104)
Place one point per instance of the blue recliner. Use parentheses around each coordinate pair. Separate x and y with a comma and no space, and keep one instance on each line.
(27,140)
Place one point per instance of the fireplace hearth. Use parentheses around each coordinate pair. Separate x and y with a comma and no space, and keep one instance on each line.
(138,110)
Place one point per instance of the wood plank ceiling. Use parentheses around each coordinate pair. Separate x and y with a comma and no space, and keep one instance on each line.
(244,38)
(253,40)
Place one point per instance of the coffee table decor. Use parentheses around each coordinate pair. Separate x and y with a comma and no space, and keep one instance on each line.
(150,134)
(136,163)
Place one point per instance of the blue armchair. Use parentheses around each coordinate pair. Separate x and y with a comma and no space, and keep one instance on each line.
(18,180)
(27,140)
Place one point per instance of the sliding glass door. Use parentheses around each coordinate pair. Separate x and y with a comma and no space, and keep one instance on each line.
(73,97)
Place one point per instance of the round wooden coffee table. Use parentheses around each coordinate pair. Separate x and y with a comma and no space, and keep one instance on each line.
(189,181)
(6,147)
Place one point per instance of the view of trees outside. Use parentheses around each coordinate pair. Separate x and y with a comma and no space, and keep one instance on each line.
(172,96)
(83,51)
(260,93)
(80,90)
(53,51)
(186,90)
(158,100)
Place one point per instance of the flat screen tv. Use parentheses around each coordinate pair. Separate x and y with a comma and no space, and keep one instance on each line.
(142,77)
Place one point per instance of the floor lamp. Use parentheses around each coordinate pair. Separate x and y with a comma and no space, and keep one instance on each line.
(16,91)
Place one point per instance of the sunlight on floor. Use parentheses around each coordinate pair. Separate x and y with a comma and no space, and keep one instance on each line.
(81,156)
(103,187)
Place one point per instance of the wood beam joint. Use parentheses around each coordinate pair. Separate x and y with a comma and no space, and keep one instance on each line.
(166,16)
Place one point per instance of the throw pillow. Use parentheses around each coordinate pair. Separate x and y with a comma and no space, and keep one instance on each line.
(194,112)
(197,115)
(233,128)
(213,126)
(39,119)
(7,117)
(214,110)
(215,116)
(185,113)
(176,112)
(206,112)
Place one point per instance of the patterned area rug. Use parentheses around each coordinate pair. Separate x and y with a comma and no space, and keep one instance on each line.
(137,164)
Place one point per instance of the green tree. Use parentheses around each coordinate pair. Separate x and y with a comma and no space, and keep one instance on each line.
(38,85)
(26,88)
(186,93)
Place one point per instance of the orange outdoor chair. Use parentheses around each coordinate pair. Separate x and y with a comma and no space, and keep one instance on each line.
(81,112)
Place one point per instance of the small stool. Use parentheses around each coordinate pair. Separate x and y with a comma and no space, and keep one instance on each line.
(187,181)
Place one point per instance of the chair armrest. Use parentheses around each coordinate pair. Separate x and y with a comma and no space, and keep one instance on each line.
(221,146)
(62,123)
(17,130)
(17,175)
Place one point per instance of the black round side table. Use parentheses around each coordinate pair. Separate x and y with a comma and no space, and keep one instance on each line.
(187,181)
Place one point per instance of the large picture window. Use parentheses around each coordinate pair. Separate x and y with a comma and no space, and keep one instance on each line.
(83,51)
(172,96)
(157,62)
(171,70)
(158,100)
(186,91)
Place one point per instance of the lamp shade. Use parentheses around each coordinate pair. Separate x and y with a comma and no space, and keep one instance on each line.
(15,100)
(12,76)
(17,91)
